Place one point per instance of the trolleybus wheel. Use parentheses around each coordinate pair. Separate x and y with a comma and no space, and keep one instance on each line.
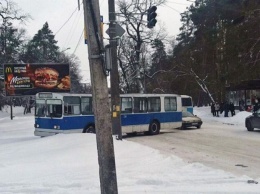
(154,128)
(89,129)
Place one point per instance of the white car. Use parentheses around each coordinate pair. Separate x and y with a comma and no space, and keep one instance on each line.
(190,120)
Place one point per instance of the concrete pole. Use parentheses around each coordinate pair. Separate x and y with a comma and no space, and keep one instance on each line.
(114,77)
(11,109)
(103,126)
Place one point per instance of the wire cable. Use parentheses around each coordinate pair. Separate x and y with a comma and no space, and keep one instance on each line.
(172,8)
(78,42)
(177,3)
(66,21)
(73,28)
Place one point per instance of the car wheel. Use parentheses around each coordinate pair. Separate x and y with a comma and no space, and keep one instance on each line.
(249,126)
(198,127)
(154,128)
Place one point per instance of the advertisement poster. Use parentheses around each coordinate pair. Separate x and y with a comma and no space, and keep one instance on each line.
(29,79)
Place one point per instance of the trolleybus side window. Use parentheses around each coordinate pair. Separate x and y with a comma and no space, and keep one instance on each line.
(187,104)
(140,104)
(170,104)
(126,105)
(71,105)
(154,104)
(54,108)
(186,101)
(86,105)
(40,108)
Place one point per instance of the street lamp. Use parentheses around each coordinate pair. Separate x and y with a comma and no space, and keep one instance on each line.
(62,54)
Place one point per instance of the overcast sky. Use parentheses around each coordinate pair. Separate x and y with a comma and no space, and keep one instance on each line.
(67,22)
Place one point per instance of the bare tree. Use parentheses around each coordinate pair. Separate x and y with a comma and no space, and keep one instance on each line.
(203,84)
(9,11)
(75,77)
(133,16)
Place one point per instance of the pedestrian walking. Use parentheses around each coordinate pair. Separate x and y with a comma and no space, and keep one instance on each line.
(232,109)
(226,109)
(217,108)
(213,109)
(221,107)
(256,106)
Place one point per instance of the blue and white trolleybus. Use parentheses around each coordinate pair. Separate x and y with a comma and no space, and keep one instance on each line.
(67,113)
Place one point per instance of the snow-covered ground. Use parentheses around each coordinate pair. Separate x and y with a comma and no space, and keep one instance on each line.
(68,164)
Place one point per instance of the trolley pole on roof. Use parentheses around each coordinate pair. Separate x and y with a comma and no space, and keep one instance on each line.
(114,77)
(103,126)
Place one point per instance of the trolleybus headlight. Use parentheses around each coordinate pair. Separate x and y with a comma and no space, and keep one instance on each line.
(36,125)
(56,127)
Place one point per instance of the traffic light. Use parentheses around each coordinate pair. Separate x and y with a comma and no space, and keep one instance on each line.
(151,15)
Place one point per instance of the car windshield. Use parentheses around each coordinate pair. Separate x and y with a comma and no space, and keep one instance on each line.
(187,114)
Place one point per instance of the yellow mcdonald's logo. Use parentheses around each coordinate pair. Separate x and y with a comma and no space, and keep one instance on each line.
(8,70)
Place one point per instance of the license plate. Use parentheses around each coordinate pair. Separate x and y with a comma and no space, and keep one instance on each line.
(194,123)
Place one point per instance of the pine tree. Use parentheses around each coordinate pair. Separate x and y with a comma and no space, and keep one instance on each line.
(42,48)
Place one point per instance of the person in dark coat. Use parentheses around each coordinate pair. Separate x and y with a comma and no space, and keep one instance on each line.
(221,108)
(256,106)
(226,109)
(232,109)
(213,111)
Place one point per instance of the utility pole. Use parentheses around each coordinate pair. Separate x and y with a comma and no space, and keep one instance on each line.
(105,147)
(114,76)
(11,108)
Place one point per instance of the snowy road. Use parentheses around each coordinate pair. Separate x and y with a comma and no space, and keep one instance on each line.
(228,147)
(69,164)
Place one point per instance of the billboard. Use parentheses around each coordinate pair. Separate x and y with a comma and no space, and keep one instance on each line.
(29,79)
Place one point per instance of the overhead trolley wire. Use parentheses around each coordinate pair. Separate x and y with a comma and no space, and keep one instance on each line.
(66,21)
(78,42)
(73,28)
(177,3)
(172,8)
